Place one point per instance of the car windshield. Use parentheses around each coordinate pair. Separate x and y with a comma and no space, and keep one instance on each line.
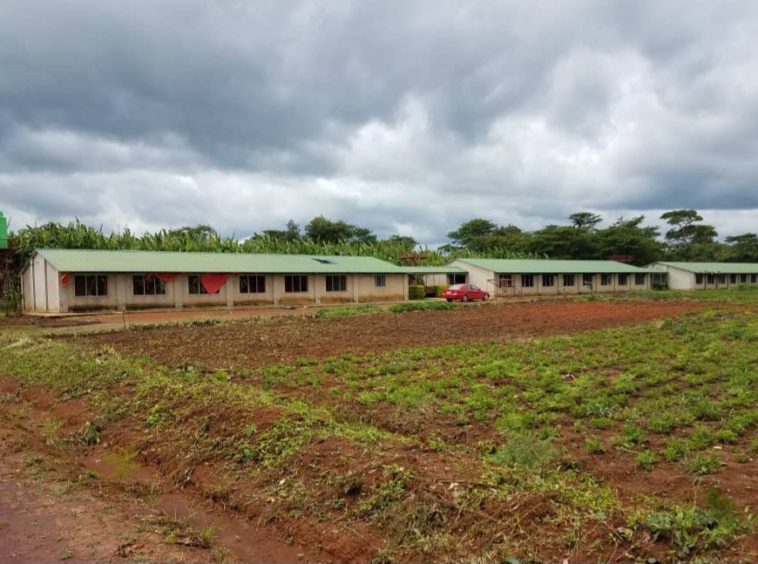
(472,287)
(456,287)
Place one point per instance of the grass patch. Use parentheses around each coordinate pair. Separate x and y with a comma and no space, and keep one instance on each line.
(421,306)
(347,311)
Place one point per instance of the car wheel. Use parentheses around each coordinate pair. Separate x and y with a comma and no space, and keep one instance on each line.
(464,298)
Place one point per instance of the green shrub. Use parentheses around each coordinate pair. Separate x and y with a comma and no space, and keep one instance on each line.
(675,450)
(439,290)
(702,464)
(420,306)
(689,529)
(347,310)
(646,460)
(416,292)
(594,445)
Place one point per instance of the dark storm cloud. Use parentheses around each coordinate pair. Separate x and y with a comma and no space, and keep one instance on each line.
(405,116)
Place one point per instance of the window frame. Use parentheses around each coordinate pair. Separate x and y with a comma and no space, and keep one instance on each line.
(196,289)
(622,279)
(454,278)
(588,279)
(98,282)
(569,280)
(606,279)
(297,283)
(258,285)
(639,279)
(505,280)
(548,278)
(527,280)
(158,286)
(380,280)
(340,279)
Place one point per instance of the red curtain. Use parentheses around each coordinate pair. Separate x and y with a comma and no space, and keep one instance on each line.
(213,282)
(65,277)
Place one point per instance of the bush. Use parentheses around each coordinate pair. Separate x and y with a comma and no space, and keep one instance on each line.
(646,460)
(347,310)
(439,290)
(416,292)
(420,306)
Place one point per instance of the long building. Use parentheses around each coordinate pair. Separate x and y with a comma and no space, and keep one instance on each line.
(61,281)
(708,275)
(514,278)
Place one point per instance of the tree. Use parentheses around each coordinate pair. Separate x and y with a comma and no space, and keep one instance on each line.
(290,233)
(403,241)
(585,220)
(470,232)
(688,239)
(323,230)
(627,237)
(563,242)
(742,248)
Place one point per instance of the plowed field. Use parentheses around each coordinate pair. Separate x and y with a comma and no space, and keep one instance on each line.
(257,342)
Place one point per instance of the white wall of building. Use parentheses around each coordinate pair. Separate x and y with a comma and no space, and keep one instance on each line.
(43,292)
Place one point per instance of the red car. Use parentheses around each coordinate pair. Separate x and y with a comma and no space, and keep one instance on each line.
(465,293)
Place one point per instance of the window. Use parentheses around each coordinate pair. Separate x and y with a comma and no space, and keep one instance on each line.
(743,278)
(148,285)
(380,280)
(88,285)
(623,279)
(605,279)
(587,280)
(458,278)
(295,283)
(711,279)
(722,278)
(505,281)
(568,280)
(252,284)
(698,279)
(548,280)
(732,278)
(639,279)
(336,283)
(527,280)
(195,286)
(754,278)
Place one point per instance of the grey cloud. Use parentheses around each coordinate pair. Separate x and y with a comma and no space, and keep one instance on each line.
(398,115)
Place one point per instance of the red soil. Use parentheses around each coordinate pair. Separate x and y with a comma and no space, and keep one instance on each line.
(261,342)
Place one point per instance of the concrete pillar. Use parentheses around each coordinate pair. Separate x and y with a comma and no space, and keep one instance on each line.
(316,292)
(354,283)
(229,289)
(179,283)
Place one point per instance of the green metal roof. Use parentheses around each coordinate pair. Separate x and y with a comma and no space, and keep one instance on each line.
(77,260)
(545,266)
(714,267)
(434,269)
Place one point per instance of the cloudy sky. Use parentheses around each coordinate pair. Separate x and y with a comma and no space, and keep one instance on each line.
(401,115)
